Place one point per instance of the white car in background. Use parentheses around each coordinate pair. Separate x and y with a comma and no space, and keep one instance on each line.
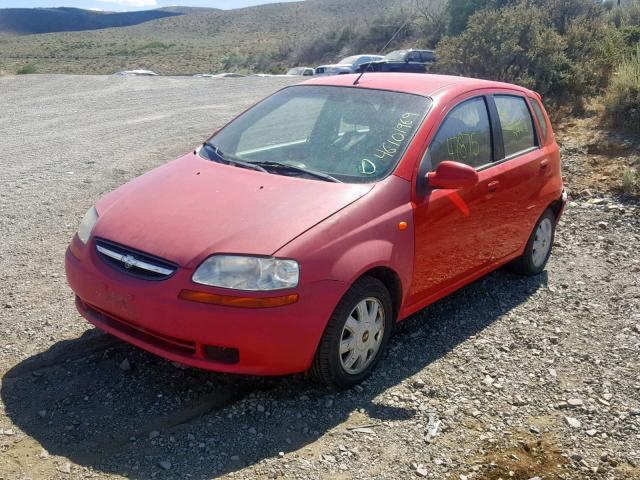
(301,72)
(347,65)
(136,73)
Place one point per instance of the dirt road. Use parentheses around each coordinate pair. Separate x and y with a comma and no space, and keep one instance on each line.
(528,377)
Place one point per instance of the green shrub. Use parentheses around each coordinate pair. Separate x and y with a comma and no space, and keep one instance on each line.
(622,99)
(513,44)
(156,46)
(26,70)
(458,12)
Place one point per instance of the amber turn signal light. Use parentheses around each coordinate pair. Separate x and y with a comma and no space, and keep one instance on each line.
(403,226)
(241,302)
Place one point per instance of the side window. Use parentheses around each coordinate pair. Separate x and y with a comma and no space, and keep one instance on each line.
(464,136)
(413,57)
(542,120)
(427,57)
(516,124)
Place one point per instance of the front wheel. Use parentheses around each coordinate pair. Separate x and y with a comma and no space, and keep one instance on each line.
(356,335)
(538,248)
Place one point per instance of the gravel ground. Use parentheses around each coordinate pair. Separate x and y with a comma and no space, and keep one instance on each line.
(508,378)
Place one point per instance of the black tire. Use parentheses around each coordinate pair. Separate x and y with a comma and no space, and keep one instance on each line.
(525,265)
(327,366)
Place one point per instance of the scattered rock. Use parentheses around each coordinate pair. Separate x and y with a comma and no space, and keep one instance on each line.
(165,465)
(421,471)
(573,422)
(125,365)
(575,402)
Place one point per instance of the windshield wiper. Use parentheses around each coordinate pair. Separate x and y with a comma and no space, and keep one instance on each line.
(286,166)
(233,160)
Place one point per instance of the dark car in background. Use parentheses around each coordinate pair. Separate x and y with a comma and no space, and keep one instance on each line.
(347,65)
(412,61)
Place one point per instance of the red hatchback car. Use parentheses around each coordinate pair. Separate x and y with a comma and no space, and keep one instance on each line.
(297,235)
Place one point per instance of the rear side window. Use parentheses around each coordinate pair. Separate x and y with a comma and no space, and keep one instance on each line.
(464,136)
(516,123)
(427,56)
(542,120)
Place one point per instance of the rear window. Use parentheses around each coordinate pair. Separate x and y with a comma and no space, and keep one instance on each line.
(542,120)
(516,124)
(397,55)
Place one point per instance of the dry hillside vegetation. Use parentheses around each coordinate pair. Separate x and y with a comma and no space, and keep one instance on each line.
(201,41)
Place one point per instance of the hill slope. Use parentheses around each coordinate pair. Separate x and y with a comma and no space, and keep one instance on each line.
(199,41)
(25,21)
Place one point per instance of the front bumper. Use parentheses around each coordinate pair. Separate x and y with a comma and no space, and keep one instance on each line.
(149,314)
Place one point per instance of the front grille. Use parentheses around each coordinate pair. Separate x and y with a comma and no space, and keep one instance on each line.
(133,262)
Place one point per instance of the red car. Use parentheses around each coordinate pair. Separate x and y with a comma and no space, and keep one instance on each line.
(298,235)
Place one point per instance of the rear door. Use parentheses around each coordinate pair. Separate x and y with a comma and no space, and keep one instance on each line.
(523,170)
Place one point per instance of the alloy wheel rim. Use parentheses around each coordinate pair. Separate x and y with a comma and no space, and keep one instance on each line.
(542,242)
(362,336)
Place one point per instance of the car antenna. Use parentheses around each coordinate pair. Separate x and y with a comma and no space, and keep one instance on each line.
(357,80)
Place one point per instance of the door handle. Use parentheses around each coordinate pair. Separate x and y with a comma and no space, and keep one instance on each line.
(544,163)
(493,185)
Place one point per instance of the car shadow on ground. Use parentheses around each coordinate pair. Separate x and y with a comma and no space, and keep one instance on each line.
(114,408)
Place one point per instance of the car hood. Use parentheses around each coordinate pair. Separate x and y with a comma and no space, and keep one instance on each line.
(191,208)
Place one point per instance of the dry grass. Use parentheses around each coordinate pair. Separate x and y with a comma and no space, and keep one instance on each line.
(622,101)
(191,43)
(630,181)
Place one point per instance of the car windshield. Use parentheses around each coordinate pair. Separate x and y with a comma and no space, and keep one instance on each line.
(349,60)
(397,55)
(344,134)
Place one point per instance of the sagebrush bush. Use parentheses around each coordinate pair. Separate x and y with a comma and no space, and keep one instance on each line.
(622,99)
(513,44)
(629,181)
(26,70)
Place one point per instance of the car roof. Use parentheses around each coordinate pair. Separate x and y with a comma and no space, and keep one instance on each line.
(423,84)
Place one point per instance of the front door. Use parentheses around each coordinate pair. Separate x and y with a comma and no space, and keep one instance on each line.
(455,230)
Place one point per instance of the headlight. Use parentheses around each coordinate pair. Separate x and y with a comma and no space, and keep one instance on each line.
(248,273)
(86,225)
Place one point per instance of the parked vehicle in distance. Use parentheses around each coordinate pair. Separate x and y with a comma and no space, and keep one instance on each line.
(297,235)
(220,75)
(136,73)
(302,71)
(347,65)
(411,61)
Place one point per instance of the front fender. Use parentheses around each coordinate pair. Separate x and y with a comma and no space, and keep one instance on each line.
(352,263)
(364,235)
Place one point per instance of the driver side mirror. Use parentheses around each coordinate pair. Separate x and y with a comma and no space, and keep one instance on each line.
(452,175)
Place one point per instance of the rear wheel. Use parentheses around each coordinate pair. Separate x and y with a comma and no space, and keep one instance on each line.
(356,335)
(538,249)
